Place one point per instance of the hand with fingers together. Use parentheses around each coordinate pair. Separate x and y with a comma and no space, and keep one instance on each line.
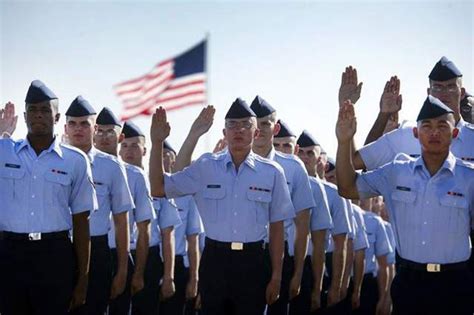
(350,87)
(8,120)
(391,99)
(346,125)
(204,121)
(160,128)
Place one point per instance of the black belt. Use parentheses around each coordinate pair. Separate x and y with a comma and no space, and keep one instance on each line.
(12,236)
(235,246)
(179,259)
(100,240)
(407,264)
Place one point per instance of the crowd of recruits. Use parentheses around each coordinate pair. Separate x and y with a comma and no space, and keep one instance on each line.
(257,206)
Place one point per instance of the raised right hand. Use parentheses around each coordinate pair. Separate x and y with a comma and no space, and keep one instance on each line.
(160,128)
(8,119)
(346,125)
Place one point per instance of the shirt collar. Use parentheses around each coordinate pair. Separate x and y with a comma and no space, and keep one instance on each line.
(249,160)
(271,154)
(460,125)
(54,147)
(448,164)
(91,154)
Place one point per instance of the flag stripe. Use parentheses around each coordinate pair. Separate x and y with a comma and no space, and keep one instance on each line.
(173,83)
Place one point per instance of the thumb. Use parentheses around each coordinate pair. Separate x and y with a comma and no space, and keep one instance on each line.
(359,87)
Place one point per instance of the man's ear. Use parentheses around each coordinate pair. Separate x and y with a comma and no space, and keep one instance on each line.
(121,137)
(455,132)
(415,132)
(56,117)
(277,128)
(144,151)
(428,91)
(257,132)
(297,149)
(463,93)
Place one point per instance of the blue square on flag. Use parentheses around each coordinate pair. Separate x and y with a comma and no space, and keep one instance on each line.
(173,83)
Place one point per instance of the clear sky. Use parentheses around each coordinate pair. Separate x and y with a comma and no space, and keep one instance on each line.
(290,53)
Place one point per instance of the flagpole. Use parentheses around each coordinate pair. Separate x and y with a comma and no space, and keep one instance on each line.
(206,70)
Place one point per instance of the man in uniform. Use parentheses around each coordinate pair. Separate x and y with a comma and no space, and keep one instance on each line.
(430,201)
(309,152)
(186,248)
(301,197)
(46,190)
(107,136)
(320,221)
(146,301)
(374,286)
(114,198)
(238,195)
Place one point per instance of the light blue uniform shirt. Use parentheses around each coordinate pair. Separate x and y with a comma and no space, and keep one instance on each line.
(166,216)
(235,205)
(143,211)
(320,216)
(379,243)
(111,186)
(360,237)
(401,140)
(299,187)
(430,216)
(39,193)
(391,237)
(191,225)
(339,214)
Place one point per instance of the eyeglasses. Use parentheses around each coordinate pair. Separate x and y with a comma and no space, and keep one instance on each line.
(106,133)
(441,88)
(231,124)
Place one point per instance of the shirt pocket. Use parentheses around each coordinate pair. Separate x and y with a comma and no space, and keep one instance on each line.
(11,183)
(56,190)
(213,196)
(457,210)
(102,192)
(260,201)
(403,203)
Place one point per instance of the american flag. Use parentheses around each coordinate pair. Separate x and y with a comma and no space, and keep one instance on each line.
(173,83)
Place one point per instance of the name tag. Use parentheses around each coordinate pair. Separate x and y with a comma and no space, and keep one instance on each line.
(10,165)
(213,186)
(468,159)
(59,172)
(403,188)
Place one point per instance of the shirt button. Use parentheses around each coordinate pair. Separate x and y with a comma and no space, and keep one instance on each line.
(235,213)
(427,202)
(32,213)
(235,196)
(235,231)
(32,196)
(424,223)
(34,177)
(423,243)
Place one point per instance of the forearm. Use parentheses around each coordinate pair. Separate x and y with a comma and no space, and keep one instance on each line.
(277,244)
(318,259)
(338,260)
(378,128)
(359,267)
(82,243)
(382,276)
(348,263)
(185,154)
(122,239)
(193,255)
(167,237)
(143,243)
(301,241)
(156,171)
(345,172)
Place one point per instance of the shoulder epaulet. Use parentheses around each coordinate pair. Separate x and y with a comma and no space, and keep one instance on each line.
(469,126)
(403,157)
(72,149)
(468,164)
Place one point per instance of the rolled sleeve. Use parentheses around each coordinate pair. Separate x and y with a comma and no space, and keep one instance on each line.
(301,195)
(185,182)
(194,224)
(320,215)
(121,198)
(382,246)
(168,215)
(143,205)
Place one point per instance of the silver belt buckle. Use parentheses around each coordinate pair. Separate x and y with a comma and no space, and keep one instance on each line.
(34,236)
(236,246)
(433,267)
